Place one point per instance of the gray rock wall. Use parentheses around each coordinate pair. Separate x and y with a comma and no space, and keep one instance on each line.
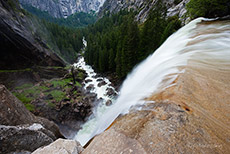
(143,7)
(64,8)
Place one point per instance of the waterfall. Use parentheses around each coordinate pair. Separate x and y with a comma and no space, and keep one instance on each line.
(160,69)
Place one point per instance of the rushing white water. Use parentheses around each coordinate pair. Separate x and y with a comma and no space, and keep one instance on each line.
(159,70)
(92,80)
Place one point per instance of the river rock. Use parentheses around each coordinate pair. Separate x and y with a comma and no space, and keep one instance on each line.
(61,146)
(108,103)
(90,87)
(88,80)
(100,79)
(110,92)
(102,83)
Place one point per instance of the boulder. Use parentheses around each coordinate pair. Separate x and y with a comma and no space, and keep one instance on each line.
(99,79)
(24,138)
(61,146)
(88,80)
(90,87)
(110,92)
(108,103)
(102,83)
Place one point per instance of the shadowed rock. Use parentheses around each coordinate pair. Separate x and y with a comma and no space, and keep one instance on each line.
(24,138)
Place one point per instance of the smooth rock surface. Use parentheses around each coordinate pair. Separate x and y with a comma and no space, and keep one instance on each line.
(61,146)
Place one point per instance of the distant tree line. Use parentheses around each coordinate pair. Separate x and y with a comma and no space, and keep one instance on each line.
(208,8)
(68,40)
(116,43)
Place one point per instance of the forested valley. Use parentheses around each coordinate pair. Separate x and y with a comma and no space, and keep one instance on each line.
(116,42)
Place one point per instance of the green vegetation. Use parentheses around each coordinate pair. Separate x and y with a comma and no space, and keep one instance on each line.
(80,75)
(208,8)
(67,42)
(116,43)
(51,91)
(57,94)
(80,19)
(60,83)
(12,4)
(24,86)
(23,98)
(52,105)
(11,71)
(30,107)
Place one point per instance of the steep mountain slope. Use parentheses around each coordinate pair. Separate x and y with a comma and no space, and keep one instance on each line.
(20,47)
(64,8)
(143,7)
(23,53)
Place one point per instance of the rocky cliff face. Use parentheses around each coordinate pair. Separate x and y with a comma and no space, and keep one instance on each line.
(20,47)
(23,52)
(64,8)
(143,7)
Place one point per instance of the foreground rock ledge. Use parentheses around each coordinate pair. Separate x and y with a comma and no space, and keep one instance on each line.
(61,146)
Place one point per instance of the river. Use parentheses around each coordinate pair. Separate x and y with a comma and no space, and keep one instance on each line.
(101,86)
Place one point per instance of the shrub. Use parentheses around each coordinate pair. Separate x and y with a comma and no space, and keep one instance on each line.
(30,107)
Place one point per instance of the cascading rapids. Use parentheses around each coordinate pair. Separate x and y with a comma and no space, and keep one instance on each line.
(148,76)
